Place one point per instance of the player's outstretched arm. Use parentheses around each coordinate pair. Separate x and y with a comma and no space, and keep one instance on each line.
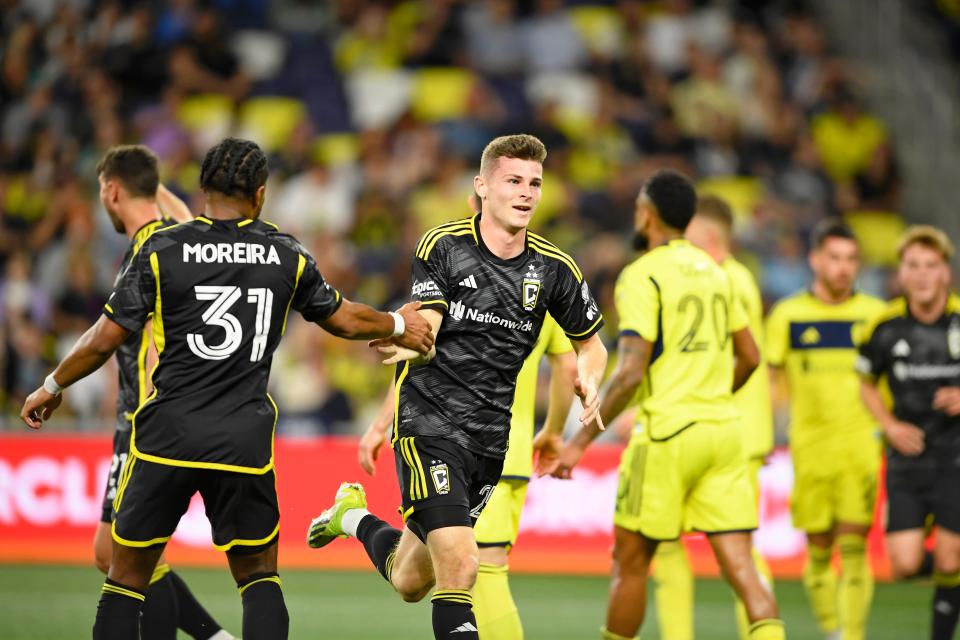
(172,206)
(90,352)
(395,352)
(376,434)
(634,357)
(548,443)
(906,438)
(947,399)
(356,321)
(747,357)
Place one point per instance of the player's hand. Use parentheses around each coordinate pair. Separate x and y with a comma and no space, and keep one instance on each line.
(906,438)
(547,447)
(947,399)
(393,353)
(39,406)
(373,438)
(418,333)
(569,458)
(591,403)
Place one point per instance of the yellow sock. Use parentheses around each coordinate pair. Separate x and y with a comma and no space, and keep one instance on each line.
(673,591)
(493,605)
(768,629)
(743,622)
(821,586)
(610,635)
(856,586)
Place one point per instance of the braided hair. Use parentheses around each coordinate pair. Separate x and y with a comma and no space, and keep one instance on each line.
(234,168)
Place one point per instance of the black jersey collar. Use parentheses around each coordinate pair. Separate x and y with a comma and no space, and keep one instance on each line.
(518,259)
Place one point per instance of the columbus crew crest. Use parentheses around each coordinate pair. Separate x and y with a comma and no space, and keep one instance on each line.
(441,478)
(530,289)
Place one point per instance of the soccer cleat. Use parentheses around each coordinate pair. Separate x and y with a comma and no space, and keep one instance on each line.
(328,526)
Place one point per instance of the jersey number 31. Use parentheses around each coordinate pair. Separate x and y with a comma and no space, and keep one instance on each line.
(217,314)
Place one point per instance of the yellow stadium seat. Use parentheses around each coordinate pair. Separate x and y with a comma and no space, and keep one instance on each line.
(441,93)
(601,28)
(878,233)
(741,193)
(206,111)
(335,149)
(270,120)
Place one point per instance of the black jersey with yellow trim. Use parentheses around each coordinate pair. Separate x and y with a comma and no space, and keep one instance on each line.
(493,311)
(132,354)
(219,292)
(917,359)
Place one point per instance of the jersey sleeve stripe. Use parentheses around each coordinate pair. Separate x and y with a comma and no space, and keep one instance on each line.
(459,231)
(108,308)
(435,231)
(245,222)
(204,220)
(301,263)
(592,328)
(443,303)
(559,255)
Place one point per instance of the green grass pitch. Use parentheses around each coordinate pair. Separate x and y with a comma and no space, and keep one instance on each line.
(54,602)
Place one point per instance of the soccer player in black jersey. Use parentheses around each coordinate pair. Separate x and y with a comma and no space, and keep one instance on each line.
(219,289)
(485,283)
(138,205)
(915,346)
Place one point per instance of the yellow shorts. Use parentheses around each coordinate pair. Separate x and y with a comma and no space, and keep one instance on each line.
(828,489)
(698,480)
(500,521)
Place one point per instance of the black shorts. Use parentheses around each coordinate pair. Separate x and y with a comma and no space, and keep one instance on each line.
(916,495)
(442,484)
(242,507)
(121,446)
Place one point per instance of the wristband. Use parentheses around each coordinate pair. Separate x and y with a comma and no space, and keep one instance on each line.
(50,386)
(399,326)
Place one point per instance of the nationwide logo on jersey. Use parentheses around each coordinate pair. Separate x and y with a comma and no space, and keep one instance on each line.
(592,309)
(810,336)
(530,289)
(469,282)
(441,478)
(901,349)
(459,311)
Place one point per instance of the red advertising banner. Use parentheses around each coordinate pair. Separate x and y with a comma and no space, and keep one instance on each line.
(51,488)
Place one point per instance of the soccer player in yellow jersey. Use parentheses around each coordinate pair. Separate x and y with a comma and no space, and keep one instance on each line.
(711,230)
(684,468)
(812,337)
(496,530)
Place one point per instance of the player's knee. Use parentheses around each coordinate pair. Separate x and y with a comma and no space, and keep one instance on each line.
(410,590)
(904,567)
(946,564)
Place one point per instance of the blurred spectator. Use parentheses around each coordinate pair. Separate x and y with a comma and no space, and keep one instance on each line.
(846,135)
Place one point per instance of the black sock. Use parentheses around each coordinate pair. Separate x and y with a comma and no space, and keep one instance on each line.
(380,541)
(926,567)
(193,618)
(158,616)
(453,613)
(946,606)
(118,613)
(264,612)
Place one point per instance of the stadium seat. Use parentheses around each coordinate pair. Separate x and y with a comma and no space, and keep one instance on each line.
(208,117)
(601,28)
(441,93)
(742,192)
(879,233)
(270,120)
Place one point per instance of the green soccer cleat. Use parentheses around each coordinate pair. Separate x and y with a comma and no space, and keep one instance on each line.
(326,527)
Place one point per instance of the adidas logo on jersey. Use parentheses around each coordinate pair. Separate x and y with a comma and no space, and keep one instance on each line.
(466,627)
(901,349)
(470,282)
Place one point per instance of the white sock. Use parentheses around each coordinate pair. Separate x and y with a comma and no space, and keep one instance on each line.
(223,634)
(351,520)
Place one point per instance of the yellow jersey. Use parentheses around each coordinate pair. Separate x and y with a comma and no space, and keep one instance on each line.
(816,344)
(676,297)
(518,463)
(752,400)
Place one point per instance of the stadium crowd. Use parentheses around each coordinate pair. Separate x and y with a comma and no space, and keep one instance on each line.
(374,115)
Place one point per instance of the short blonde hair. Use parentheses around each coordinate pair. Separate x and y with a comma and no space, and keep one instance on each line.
(522,146)
(928,236)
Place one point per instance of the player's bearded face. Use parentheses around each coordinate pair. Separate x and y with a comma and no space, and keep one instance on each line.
(923,274)
(511,192)
(108,197)
(836,264)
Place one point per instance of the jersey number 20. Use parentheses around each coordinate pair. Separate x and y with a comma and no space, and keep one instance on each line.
(218,315)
